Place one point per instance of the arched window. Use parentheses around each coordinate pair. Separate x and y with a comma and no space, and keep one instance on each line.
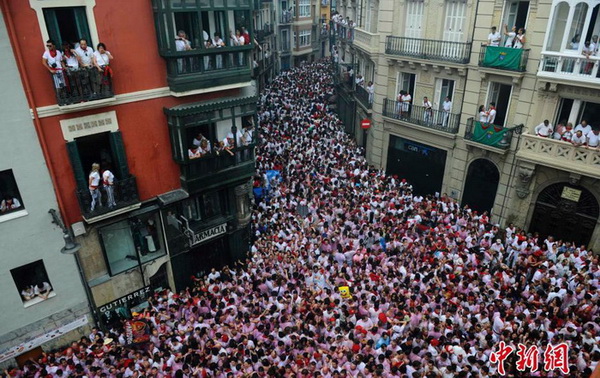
(578,20)
(558,26)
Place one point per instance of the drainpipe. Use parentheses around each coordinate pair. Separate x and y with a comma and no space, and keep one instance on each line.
(12,36)
(470,52)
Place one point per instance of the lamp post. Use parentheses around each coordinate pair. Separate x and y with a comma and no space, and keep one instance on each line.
(519,132)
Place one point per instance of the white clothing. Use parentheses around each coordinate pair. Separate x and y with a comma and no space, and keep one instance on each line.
(543,130)
(182,44)
(510,39)
(494,39)
(491,115)
(483,116)
(102,59)
(519,41)
(46,289)
(108,178)
(593,140)
(584,129)
(71,61)
(94,178)
(447,106)
(53,62)
(85,55)
(578,139)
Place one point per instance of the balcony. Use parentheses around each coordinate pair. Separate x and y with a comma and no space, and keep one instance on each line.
(205,68)
(503,58)
(490,137)
(366,41)
(560,155)
(263,33)
(363,96)
(286,18)
(418,115)
(214,170)
(126,198)
(428,49)
(342,32)
(568,67)
(81,86)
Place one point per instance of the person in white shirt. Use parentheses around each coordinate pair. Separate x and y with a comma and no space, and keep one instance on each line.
(427,110)
(194,152)
(85,54)
(584,127)
(181,42)
(102,59)
(93,183)
(544,129)
(89,77)
(42,290)
(406,100)
(494,37)
(520,39)
(360,80)
(578,139)
(491,113)
(371,91)
(217,42)
(510,36)
(52,59)
(108,182)
(593,138)
(568,134)
(446,109)
(483,114)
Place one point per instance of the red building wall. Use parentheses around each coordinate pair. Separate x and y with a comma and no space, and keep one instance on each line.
(127,29)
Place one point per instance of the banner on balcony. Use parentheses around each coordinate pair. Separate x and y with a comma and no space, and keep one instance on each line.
(502,57)
(489,134)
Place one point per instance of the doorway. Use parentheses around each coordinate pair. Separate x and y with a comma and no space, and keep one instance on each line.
(200,260)
(500,95)
(96,148)
(481,185)
(406,82)
(421,165)
(443,88)
(567,212)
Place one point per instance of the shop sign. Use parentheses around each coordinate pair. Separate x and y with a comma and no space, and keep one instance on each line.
(128,300)
(199,237)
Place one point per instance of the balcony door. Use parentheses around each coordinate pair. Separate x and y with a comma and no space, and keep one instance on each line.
(443,88)
(414,25)
(455,21)
(500,95)
(406,82)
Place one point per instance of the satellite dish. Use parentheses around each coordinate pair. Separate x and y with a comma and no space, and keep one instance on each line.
(205,34)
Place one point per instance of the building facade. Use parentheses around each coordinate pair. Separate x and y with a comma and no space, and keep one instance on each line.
(170,115)
(263,68)
(441,51)
(43,300)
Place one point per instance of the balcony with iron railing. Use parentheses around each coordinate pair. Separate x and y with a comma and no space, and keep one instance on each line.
(561,155)
(263,33)
(363,96)
(428,49)
(496,138)
(80,86)
(218,168)
(341,32)
(286,18)
(125,194)
(574,68)
(201,68)
(421,116)
(503,58)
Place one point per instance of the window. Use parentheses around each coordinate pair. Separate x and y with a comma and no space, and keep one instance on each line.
(304,38)
(572,26)
(304,8)
(443,88)
(202,207)
(414,18)
(67,24)
(575,111)
(455,20)
(32,283)
(500,95)
(406,82)
(10,199)
(131,242)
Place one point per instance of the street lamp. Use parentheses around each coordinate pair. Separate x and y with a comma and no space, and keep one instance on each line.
(71,246)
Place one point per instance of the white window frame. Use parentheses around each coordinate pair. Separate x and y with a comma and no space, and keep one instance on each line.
(39,5)
(591,4)
(304,38)
(304,8)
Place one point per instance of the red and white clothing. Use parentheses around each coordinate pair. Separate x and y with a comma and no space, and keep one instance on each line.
(491,115)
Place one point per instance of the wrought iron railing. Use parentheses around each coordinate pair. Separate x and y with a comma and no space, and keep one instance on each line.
(81,85)
(364,97)
(431,49)
(125,194)
(504,58)
(208,60)
(503,143)
(419,115)
(212,163)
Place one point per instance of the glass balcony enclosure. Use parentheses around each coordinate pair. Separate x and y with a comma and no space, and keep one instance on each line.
(206,43)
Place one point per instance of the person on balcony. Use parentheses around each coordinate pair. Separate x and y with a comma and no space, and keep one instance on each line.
(194,152)
(544,129)
(181,42)
(102,59)
(9,203)
(483,114)
(371,91)
(86,62)
(204,147)
(218,43)
(584,127)
(593,138)
(559,130)
(494,37)
(567,135)
(70,61)
(510,36)
(406,100)
(491,113)
(246,36)
(93,184)
(108,183)
(53,61)
(588,65)
(360,80)
(446,109)
(520,39)
(578,139)
(428,110)
(237,40)
(199,139)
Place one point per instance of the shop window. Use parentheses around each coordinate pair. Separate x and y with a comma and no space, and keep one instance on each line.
(67,24)
(132,242)
(10,198)
(33,283)
(203,207)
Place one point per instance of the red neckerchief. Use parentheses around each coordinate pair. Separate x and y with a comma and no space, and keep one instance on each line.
(52,53)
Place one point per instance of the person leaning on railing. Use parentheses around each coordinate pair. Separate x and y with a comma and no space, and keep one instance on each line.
(71,61)
(52,60)
(87,74)
(102,58)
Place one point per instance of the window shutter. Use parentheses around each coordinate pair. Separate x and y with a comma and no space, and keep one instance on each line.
(118,149)
(82,25)
(52,26)
(80,178)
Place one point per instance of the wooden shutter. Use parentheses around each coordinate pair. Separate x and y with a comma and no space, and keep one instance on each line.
(83,28)
(80,177)
(121,167)
(52,26)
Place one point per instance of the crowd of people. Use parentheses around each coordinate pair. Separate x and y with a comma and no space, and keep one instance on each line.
(371,280)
